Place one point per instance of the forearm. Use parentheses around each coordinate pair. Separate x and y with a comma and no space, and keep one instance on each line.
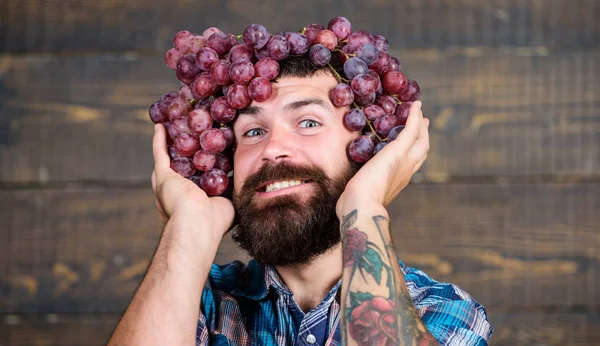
(164,310)
(376,305)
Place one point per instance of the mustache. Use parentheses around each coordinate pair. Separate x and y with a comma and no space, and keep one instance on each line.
(283,171)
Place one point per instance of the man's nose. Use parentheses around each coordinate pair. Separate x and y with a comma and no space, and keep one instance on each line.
(279,146)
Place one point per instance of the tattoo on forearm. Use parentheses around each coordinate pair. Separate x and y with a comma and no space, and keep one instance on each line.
(377,306)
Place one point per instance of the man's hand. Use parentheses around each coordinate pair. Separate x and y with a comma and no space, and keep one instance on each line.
(177,195)
(381,179)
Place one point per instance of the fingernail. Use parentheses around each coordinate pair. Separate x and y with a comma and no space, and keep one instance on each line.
(155,127)
(420,104)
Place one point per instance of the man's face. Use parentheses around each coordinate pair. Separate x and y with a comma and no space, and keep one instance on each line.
(290,168)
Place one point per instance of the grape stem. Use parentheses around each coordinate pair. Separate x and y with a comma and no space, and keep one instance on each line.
(374,132)
(337,75)
(395,97)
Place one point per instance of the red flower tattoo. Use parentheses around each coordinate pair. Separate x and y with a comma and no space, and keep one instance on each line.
(355,245)
(373,323)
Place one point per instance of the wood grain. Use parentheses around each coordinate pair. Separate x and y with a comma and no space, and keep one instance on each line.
(494,113)
(86,329)
(120,25)
(522,246)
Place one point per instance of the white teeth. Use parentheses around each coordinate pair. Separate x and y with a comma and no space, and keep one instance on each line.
(282,185)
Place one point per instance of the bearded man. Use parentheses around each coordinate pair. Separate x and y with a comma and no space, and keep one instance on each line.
(323,268)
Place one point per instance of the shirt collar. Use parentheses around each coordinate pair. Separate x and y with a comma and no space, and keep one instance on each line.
(256,282)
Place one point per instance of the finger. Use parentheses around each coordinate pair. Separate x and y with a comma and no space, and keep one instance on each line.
(421,146)
(419,164)
(153,180)
(159,149)
(161,212)
(410,133)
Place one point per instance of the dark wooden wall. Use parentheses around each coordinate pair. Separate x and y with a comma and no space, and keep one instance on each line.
(507,205)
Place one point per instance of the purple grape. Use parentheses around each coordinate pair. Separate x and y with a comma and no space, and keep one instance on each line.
(382,62)
(354,66)
(361,149)
(373,112)
(198,42)
(395,132)
(237,96)
(199,120)
(195,179)
(387,103)
(186,144)
(172,57)
(381,43)
(367,53)
(214,182)
(298,43)
(219,72)
(341,27)
(411,91)
(183,166)
(364,100)
(203,160)
(260,89)
(278,47)
(233,39)
(178,109)
(402,112)
(327,38)
(378,147)
(185,93)
(156,114)
(256,36)
(204,85)
(229,136)
(384,124)
(241,71)
(355,120)
(360,37)
(210,31)
(172,152)
(206,57)
(373,136)
(223,163)
(241,52)
(187,69)
(182,40)
(219,42)
(169,97)
(213,140)
(393,66)
(342,95)
(311,32)
(221,111)
(179,126)
(267,68)
(262,53)
(394,82)
(320,55)
(203,104)
(364,84)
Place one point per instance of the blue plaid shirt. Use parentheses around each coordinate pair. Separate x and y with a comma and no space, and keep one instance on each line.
(249,305)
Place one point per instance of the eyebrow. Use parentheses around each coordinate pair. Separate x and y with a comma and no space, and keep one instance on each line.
(292,106)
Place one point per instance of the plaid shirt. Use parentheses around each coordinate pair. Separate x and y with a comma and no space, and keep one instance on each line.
(249,305)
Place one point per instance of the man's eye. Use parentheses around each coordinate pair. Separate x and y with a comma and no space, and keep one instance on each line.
(253,133)
(309,123)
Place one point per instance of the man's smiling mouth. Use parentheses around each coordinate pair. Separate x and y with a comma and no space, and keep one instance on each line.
(282,184)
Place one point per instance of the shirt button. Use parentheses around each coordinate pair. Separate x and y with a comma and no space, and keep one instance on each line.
(311,339)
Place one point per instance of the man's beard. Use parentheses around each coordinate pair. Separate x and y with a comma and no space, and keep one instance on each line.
(285,230)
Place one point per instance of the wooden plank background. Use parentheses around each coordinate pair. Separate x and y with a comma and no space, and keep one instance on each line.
(507,205)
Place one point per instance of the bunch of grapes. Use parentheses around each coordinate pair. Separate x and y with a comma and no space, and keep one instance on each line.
(220,75)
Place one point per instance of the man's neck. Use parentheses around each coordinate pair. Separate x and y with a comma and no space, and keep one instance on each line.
(310,283)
